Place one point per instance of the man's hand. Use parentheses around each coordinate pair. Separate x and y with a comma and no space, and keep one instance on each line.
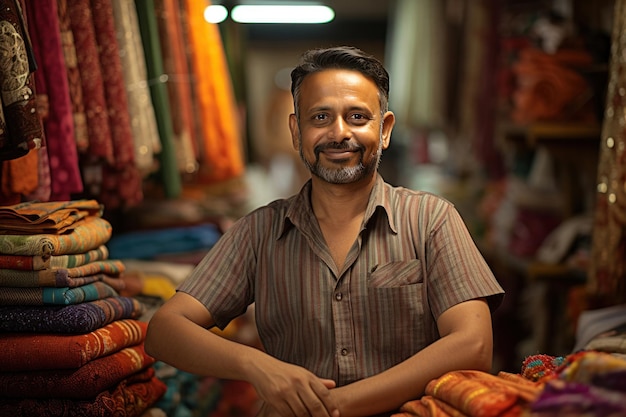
(288,390)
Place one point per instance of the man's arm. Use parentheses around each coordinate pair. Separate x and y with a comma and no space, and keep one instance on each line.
(466,343)
(178,335)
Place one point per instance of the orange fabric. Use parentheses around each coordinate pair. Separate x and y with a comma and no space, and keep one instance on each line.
(221,155)
(549,86)
(19,177)
(473,393)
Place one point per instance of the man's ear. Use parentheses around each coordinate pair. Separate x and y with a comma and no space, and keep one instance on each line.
(389,120)
(295,131)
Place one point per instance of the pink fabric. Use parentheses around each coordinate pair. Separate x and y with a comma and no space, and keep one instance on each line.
(51,80)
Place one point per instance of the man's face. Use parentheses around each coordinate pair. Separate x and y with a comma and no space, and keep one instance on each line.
(340,133)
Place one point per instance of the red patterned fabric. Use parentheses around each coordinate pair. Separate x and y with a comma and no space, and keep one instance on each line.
(92,83)
(121,182)
(36,352)
(73,77)
(51,80)
(83,383)
(130,398)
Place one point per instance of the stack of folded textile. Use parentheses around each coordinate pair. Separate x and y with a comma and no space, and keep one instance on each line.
(69,343)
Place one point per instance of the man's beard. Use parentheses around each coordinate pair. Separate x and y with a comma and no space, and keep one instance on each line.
(343,175)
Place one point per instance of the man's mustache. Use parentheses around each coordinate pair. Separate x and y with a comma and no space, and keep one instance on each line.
(343,146)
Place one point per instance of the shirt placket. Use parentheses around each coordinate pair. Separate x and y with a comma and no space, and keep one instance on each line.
(345,351)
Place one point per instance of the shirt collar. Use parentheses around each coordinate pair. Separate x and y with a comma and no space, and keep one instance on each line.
(299,211)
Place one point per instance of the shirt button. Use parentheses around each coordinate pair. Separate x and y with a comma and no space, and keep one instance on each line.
(338,296)
(344,352)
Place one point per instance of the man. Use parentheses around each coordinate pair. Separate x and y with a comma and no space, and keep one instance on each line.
(363,292)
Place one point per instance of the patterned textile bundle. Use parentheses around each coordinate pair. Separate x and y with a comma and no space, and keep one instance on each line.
(53,217)
(37,263)
(588,383)
(473,393)
(22,351)
(131,397)
(69,343)
(78,318)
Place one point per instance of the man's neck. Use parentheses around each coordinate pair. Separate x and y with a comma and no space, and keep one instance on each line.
(340,202)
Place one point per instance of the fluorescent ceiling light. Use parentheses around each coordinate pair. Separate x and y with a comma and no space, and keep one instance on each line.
(215,13)
(282,14)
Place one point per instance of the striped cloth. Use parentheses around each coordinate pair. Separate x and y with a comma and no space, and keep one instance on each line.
(40,262)
(55,296)
(59,277)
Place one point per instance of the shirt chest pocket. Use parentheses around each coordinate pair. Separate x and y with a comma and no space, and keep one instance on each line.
(396,274)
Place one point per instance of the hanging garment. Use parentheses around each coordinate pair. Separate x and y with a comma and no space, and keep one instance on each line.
(92,83)
(51,82)
(607,272)
(81,133)
(222,154)
(121,181)
(178,83)
(170,177)
(21,125)
(143,121)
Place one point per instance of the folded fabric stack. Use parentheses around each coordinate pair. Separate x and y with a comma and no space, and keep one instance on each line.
(69,343)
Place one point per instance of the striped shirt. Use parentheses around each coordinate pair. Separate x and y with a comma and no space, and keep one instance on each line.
(413,259)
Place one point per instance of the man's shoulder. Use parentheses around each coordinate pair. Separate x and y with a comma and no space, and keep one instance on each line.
(401,193)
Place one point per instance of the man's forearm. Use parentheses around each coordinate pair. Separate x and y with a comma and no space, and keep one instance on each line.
(197,350)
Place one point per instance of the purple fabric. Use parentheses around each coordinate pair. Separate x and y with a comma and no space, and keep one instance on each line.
(79,318)
(573,398)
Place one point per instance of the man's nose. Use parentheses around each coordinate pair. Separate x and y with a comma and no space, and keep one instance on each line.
(340,130)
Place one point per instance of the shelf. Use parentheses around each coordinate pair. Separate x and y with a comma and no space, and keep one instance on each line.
(550,133)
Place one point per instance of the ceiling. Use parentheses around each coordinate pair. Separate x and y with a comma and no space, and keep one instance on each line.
(354,20)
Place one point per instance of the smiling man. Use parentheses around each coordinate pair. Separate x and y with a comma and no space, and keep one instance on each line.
(363,292)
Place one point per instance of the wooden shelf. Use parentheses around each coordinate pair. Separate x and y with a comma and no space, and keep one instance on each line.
(550,133)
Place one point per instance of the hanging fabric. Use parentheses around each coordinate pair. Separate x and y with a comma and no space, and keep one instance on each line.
(417,63)
(143,121)
(220,143)
(169,174)
(81,133)
(121,182)
(21,126)
(607,272)
(178,84)
(56,108)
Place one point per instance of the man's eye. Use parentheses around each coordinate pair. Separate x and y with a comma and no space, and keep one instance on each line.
(360,118)
(320,117)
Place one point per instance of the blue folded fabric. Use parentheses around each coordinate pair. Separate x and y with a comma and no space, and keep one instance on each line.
(148,244)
